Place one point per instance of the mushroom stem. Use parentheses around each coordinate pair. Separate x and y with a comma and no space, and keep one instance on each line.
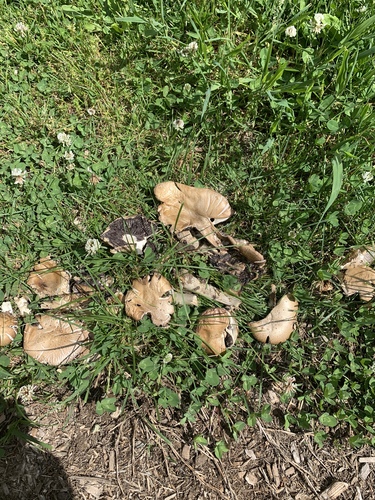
(201,287)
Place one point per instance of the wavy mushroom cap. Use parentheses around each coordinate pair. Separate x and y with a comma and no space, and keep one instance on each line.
(54,341)
(47,279)
(150,295)
(218,330)
(279,324)
(359,279)
(186,207)
(8,328)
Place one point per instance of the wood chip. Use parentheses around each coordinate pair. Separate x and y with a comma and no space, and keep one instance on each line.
(251,479)
(186,452)
(295,454)
(290,471)
(112,461)
(335,490)
(365,471)
(250,454)
(370,460)
(276,475)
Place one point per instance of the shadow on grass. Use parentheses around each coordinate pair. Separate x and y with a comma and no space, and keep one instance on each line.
(27,472)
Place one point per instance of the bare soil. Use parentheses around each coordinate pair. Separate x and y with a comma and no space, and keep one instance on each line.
(136,454)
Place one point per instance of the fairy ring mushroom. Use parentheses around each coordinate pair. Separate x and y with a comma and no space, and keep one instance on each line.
(127,234)
(8,328)
(150,295)
(217,329)
(47,279)
(279,324)
(184,207)
(54,341)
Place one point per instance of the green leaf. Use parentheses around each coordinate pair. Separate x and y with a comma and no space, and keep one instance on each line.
(131,20)
(248,381)
(206,101)
(4,361)
(220,449)
(328,420)
(319,438)
(353,207)
(337,173)
(168,398)
(148,365)
(106,405)
(212,378)
(333,125)
(4,373)
(200,440)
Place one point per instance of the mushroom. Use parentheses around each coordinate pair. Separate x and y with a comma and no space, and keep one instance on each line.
(47,279)
(185,207)
(279,324)
(364,256)
(358,276)
(150,295)
(246,249)
(218,330)
(196,285)
(8,328)
(126,234)
(359,279)
(54,341)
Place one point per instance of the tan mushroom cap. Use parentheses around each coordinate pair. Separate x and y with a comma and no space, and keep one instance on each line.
(54,341)
(150,295)
(364,256)
(47,279)
(359,279)
(186,207)
(279,324)
(218,330)
(8,328)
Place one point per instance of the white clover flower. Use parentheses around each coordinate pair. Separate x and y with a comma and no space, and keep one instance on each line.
(92,246)
(64,139)
(69,155)
(367,176)
(26,393)
(19,175)
(318,23)
(291,31)
(189,49)
(91,111)
(168,358)
(21,28)
(178,124)
(363,8)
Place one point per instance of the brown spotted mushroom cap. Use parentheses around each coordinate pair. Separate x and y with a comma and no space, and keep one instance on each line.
(54,341)
(186,207)
(47,279)
(150,295)
(218,330)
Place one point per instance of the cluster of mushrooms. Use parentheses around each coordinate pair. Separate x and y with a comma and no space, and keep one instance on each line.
(192,214)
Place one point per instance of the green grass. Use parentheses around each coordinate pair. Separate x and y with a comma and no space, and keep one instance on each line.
(283,127)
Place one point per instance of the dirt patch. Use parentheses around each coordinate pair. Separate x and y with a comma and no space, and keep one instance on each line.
(135,454)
